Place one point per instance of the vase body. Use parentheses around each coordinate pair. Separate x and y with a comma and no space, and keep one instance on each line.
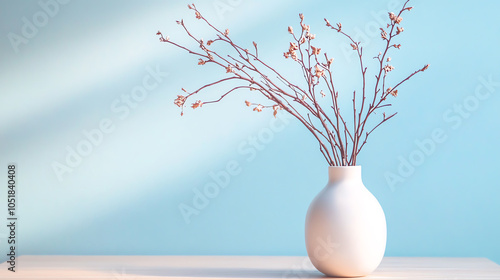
(346,230)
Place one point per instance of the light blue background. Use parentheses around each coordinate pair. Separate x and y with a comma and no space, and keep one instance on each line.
(123,197)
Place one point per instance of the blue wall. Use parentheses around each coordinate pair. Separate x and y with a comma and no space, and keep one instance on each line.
(70,77)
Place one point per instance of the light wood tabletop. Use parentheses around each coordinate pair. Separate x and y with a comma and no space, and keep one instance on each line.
(235,267)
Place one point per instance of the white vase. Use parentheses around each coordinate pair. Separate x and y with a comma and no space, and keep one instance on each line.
(346,230)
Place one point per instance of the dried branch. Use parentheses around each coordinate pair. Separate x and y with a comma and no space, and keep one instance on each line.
(339,142)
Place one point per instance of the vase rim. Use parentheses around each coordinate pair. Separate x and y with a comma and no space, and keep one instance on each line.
(336,173)
(346,167)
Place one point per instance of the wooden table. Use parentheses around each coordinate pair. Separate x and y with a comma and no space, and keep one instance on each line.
(237,267)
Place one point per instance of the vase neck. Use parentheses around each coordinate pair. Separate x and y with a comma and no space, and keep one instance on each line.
(342,173)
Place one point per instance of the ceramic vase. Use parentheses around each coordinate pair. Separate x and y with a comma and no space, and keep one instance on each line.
(345,228)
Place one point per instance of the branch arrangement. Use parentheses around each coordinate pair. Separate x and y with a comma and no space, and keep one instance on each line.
(340,139)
